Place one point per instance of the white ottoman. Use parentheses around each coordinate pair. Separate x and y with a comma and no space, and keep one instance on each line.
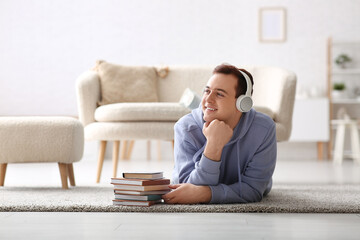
(41,139)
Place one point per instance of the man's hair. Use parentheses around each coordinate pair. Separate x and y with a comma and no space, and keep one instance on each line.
(232,70)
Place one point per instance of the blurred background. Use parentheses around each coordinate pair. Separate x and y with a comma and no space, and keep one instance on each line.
(45,45)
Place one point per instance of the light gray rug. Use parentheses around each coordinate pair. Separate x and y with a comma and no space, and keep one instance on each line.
(282,199)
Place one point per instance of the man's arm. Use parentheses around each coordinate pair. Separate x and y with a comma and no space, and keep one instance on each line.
(197,175)
(218,134)
(250,187)
(187,193)
(254,181)
(206,170)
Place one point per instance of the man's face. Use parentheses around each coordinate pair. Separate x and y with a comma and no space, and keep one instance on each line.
(219,99)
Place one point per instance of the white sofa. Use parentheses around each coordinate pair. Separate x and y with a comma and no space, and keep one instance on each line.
(274,94)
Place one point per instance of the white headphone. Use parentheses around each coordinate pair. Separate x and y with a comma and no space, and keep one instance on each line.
(244,102)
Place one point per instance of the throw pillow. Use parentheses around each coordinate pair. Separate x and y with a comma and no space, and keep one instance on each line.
(126,83)
(190,99)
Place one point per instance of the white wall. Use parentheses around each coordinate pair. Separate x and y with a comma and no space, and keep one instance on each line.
(46,44)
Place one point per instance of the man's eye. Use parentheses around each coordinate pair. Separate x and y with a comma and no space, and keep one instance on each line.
(219,94)
(206,91)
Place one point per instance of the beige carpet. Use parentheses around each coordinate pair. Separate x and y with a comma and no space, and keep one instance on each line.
(282,199)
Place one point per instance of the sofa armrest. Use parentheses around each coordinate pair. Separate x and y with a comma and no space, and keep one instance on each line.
(88,95)
(275,89)
(285,111)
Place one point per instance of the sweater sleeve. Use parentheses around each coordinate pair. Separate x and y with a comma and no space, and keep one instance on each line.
(191,166)
(255,180)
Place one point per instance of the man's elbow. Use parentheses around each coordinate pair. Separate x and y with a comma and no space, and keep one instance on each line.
(253,195)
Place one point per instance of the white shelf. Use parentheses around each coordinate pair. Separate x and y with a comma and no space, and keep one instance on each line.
(346,101)
(344,43)
(334,48)
(347,71)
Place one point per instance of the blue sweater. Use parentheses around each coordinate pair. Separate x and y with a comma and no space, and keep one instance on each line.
(245,171)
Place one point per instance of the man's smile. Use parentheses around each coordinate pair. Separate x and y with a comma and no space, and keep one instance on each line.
(210,108)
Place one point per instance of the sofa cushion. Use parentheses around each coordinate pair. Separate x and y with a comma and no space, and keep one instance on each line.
(126,83)
(120,112)
(110,131)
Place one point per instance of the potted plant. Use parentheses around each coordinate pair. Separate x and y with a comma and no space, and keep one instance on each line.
(338,90)
(342,60)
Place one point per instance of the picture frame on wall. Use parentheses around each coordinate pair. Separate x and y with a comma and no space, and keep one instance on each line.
(272,24)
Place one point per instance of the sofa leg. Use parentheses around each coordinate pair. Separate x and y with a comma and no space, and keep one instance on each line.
(116,156)
(148,152)
(129,150)
(101,160)
(124,146)
(63,175)
(2,173)
(70,173)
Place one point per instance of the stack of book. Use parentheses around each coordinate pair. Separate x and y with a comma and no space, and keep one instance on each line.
(140,189)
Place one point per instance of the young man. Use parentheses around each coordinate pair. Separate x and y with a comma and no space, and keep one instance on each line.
(223,154)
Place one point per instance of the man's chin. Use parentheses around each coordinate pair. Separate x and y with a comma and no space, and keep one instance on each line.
(208,119)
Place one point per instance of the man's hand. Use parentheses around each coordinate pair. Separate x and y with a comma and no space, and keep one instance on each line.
(187,193)
(217,133)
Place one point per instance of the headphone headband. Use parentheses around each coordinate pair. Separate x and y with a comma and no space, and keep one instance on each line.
(244,103)
(248,83)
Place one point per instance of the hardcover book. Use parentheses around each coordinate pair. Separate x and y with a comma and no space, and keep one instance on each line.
(140,182)
(140,188)
(142,193)
(134,203)
(138,198)
(143,175)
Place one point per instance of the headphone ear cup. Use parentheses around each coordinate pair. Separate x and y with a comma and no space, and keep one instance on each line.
(244,103)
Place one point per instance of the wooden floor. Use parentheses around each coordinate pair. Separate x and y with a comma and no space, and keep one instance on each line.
(49,225)
(177,226)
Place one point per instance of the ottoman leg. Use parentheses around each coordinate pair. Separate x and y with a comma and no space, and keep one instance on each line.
(70,170)
(101,160)
(63,175)
(2,173)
